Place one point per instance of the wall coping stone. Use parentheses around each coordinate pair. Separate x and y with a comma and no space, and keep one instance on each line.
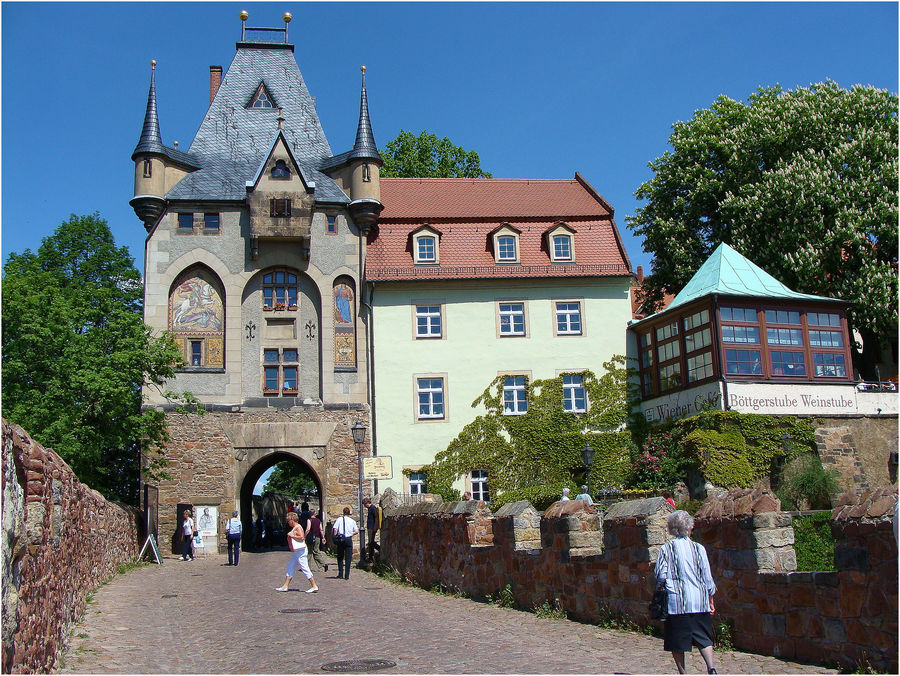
(638,509)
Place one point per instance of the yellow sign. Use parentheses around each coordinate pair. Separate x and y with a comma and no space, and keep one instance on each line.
(379,467)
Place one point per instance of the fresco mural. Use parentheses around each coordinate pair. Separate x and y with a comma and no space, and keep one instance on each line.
(197,315)
(344,326)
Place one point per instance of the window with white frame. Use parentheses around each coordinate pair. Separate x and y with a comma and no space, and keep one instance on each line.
(428,321)
(480,490)
(506,244)
(562,247)
(430,395)
(568,318)
(574,394)
(426,246)
(417,483)
(515,400)
(512,319)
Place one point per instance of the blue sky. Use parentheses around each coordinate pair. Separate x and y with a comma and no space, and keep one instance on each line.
(539,90)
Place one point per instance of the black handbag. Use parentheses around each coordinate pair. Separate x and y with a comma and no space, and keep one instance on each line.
(659,605)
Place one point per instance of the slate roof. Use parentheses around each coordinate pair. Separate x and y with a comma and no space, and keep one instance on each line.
(467,211)
(233,140)
(728,273)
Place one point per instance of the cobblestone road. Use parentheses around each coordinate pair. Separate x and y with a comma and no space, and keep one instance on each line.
(204,617)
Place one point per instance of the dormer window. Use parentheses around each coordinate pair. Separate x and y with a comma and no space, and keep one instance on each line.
(506,245)
(280,170)
(560,244)
(426,246)
(261,98)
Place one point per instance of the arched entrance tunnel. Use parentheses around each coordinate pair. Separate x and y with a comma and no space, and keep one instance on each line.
(263,516)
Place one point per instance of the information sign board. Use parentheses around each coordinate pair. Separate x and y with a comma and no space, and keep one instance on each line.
(379,467)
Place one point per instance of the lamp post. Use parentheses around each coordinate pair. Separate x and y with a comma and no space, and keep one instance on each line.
(587,455)
(359,438)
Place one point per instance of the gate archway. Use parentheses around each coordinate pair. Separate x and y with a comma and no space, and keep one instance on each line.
(249,507)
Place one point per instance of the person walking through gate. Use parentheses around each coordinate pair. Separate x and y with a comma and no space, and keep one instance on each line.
(233,536)
(314,540)
(187,537)
(342,535)
(297,542)
(373,523)
(683,569)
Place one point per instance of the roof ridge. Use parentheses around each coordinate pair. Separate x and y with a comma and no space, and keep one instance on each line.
(480,180)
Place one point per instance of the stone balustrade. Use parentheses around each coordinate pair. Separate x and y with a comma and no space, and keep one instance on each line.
(595,563)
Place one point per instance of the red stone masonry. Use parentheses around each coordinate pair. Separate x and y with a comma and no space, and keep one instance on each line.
(595,563)
(61,540)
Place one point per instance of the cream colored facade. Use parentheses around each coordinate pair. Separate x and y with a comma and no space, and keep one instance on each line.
(471,352)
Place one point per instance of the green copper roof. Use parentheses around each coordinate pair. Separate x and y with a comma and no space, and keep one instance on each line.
(728,273)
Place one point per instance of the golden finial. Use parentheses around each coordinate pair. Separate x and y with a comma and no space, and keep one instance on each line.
(287,17)
(153,63)
(362,68)
(175,143)
(244,16)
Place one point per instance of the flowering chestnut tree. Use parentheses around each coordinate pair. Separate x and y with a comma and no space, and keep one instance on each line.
(801,182)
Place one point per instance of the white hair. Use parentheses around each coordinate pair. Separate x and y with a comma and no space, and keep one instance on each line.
(680,523)
(565,491)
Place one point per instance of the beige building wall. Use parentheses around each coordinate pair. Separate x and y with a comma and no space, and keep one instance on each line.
(471,352)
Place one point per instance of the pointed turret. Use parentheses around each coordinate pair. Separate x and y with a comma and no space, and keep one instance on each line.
(365,163)
(364,147)
(151,141)
(149,163)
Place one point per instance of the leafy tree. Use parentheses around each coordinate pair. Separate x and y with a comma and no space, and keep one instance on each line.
(76,353)
(426,155)
(541,447)
(291,478)
(802,182)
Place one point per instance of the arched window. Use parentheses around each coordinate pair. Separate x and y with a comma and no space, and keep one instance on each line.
(344,324)
(280,170)
(279,290)
(197,318)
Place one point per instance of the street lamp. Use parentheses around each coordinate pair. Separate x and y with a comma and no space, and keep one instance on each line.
(359,438)
(587,455)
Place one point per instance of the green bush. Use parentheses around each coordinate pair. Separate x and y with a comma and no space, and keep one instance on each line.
(806,483)
(690,506)
(722,456)
(540,497)
(814,543)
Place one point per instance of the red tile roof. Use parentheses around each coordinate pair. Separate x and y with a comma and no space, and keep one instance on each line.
(466,211)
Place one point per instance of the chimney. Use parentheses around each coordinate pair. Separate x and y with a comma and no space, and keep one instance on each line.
(640,274)
(215,80)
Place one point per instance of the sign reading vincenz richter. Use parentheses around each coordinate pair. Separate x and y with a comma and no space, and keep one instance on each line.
(379,467)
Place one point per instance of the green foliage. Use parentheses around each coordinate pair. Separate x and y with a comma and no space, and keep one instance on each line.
(543,446)
(721,456)
(806,482)
(813,542)
(612,618)
(660,462)
(291,478)
(426,155)
(690,506)
(131,565)
(550,610)
(816,166)
(540,497)
(723,635)
(503,599)
(76,353)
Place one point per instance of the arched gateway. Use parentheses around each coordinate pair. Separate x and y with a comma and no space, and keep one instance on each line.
(254,262)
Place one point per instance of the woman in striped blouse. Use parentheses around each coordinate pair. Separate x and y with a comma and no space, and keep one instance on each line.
(683,569)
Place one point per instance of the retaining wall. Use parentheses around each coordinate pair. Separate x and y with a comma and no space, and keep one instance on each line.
(61,540)
(595,563)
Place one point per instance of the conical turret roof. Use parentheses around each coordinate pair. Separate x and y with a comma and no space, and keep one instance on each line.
(151,141)
(364,147)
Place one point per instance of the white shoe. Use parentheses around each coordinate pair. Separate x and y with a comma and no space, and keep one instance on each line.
(181,558)
(312,591)
(281,589)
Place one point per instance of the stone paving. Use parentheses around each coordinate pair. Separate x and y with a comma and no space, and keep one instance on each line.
(204,617)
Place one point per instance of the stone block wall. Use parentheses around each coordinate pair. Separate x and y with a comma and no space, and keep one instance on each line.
(61,540)
(596,563)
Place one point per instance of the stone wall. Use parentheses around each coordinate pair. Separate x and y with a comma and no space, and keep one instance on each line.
(594,564)
(61,540)
(858,447)
(214,458)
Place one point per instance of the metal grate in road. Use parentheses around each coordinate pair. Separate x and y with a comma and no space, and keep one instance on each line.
(169,596)
(358,665)
(301,610)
